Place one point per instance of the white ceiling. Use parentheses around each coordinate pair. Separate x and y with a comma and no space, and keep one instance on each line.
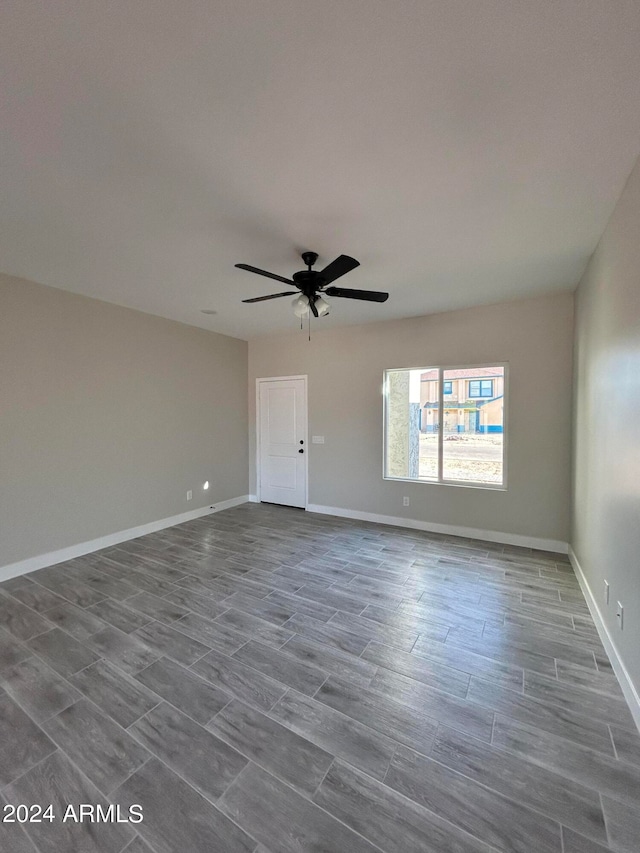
(465,151)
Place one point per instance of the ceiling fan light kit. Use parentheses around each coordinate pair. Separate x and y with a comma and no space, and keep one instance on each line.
(322,305)
(301,305)
(314,285)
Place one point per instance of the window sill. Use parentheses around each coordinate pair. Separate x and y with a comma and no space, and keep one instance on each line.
(497,487)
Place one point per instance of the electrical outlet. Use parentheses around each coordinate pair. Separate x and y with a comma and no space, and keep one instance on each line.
(620,615)
(405,501)
(189,495)
(606,592)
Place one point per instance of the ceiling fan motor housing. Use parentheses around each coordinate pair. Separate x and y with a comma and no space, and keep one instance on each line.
(308,281)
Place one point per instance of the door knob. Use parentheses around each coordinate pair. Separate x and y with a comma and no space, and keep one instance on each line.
(301,441)
(301,450)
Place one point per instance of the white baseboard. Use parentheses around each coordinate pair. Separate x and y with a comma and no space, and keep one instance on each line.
(627,685)
(50,559)
(554,545)
(253,499)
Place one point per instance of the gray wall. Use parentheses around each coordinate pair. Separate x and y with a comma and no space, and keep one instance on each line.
(345,368)
(606,513)
(108,416)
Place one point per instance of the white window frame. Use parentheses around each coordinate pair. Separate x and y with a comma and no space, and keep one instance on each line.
(441,481)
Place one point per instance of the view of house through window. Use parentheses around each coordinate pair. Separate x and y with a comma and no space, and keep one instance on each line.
(445,424)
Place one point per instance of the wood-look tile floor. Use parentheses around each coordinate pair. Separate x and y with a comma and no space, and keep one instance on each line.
(265,679)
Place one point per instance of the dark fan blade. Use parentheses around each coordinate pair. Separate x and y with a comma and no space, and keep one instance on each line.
(312,305)
(340,266)
(365,295)
(267,274)
(271,296)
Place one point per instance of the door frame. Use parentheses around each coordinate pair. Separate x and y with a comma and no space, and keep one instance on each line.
(262,379)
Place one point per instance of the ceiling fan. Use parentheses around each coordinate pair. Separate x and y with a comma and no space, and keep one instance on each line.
(315,284)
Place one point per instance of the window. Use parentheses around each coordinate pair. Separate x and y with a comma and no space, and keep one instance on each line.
(430,437)
(480,388)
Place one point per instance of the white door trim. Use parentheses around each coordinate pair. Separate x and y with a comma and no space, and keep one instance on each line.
(302,376)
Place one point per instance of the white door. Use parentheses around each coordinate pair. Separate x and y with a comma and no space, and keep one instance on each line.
(282,444)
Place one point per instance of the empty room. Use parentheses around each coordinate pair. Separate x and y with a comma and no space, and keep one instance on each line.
(351,567)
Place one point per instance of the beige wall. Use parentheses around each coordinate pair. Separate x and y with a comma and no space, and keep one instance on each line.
(606,514)
(108,416)
(345,369)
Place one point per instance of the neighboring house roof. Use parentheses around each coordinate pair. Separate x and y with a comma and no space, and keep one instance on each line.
(469,404)
(492,400)
(463,373)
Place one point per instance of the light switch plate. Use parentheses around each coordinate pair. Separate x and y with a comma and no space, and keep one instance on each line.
(317,439)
